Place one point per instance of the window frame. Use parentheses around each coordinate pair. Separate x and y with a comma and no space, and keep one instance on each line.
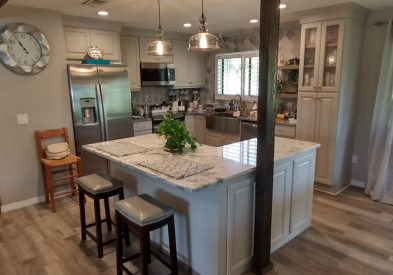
(243,56)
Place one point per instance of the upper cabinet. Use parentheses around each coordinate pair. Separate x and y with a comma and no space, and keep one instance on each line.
(143,42)
(321,56)
(189,66)
(79,39)
(130,56)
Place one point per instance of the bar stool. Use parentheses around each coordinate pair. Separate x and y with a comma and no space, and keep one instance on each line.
(145,214)
(99,186)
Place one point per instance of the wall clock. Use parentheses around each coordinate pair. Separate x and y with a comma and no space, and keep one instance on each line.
(23,49)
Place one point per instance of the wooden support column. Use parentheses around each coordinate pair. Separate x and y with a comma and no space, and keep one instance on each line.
(2,2)
(268,52)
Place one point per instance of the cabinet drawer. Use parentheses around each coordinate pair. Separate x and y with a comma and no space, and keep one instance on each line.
(142,126)
(285,131)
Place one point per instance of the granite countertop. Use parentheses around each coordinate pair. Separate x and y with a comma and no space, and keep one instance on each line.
(140,119)
(228,161)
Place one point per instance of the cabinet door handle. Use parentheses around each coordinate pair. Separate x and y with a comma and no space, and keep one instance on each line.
(280,131)
(315,87)
(313,97)
(320,87)
(319,97)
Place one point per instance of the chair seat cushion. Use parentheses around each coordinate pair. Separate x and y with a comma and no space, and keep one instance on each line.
(99,183)
(143,209)
(71,159)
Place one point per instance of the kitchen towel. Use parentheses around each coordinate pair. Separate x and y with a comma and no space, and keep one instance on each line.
(122,149)
(175,167)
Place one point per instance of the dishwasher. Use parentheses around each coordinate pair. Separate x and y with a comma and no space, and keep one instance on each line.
(248,130)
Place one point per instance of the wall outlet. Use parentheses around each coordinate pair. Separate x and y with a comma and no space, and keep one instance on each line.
(354,159)
(22,119)
(289,106)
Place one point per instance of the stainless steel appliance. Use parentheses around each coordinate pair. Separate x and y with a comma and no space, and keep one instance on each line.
(224,123)
(249,130)
(101,109)
(157,74)
(156,120)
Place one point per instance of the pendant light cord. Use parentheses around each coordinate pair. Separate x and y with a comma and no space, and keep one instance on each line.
(159,13)
(202,6)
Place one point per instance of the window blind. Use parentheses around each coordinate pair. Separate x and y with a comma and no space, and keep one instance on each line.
(251,76)
(229,75)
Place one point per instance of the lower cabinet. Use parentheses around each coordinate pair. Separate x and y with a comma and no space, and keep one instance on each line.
(217,139)
(200,128)
(189,120)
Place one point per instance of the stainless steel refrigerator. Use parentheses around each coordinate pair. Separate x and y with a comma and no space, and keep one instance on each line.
(101,109)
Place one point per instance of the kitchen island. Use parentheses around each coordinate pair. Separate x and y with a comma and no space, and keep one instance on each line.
(215,209)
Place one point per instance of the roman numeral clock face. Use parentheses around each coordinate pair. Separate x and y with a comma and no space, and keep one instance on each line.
(23,49)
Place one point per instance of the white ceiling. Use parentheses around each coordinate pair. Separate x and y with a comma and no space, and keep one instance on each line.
(222,15)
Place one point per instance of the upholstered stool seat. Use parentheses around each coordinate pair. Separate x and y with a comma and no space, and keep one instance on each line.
(144,213)
(99,183)
(99,186)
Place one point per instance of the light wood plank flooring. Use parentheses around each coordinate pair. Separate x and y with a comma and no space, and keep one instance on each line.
(350,234)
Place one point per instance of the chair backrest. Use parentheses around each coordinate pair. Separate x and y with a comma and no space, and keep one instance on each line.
(48,134)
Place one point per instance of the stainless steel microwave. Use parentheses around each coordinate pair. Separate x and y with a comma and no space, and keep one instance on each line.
(157,74)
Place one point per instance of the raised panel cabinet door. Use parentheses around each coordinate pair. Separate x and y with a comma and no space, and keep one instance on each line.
(189,120)
(332,42)
(302,192)
(309,56)
(282,181)
(325,133)
(130,56)
(240,223)
(181,61)
(213,139)
(143,42)
(200,128)
(77,41)
(196,69)
(229,139)
(108,41)
(307,106)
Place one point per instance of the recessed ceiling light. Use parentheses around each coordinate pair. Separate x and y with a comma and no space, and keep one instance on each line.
(282,6)
(187,25)
(103,13)
(254,21)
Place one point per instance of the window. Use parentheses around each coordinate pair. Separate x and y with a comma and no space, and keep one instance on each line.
(237,73)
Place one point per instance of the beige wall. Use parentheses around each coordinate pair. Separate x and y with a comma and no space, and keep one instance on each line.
(374,39)
(44,97)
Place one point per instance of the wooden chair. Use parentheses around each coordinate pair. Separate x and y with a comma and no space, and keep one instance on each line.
(47,165)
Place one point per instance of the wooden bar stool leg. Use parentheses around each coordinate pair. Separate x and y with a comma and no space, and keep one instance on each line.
(45,183)
(97,214)
(144,235)
(172,245)
(148,247)
(49,179)
(82,214)
(108,214)
(119,244)
(72,181)
(125,226)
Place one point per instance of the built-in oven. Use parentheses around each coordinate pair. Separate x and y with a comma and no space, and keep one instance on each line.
(157,74)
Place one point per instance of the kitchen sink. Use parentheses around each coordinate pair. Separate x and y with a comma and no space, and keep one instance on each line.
(224,123)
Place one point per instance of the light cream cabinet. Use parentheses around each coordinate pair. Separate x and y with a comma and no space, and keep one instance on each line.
(321,56)
(130,56)
(200,128)
(307,112)
(189,66)
(79,39)
(143,43)
(217,139)
(189,120)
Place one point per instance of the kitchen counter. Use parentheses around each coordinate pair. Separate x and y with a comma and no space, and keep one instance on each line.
(140,119)
(225,168)
(214,210)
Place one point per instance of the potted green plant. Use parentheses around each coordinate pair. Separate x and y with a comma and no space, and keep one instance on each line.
(176,135)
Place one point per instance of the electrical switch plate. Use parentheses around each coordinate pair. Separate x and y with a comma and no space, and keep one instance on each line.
(22,119)
(289,106)
(354,159)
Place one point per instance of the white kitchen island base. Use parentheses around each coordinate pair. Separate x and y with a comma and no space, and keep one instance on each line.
(214,225)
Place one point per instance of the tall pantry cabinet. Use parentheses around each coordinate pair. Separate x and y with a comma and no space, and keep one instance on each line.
(331,46)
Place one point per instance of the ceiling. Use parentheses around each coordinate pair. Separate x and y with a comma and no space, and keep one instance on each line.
(222,15)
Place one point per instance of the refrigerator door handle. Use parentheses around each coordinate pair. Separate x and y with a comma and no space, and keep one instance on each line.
(100,111)
(105,120)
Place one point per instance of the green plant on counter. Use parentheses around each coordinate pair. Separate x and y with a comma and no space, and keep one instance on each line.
(176,134)
(280,84)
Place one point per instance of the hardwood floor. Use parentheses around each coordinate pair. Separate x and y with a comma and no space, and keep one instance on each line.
(350,234)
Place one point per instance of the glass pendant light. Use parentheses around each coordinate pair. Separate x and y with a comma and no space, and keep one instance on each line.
(203,41)
(159,47)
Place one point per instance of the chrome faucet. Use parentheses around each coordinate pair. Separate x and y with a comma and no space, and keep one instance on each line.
(240,106)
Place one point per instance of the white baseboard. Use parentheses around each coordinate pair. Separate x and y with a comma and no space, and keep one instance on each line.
(357,183)
(21,204)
